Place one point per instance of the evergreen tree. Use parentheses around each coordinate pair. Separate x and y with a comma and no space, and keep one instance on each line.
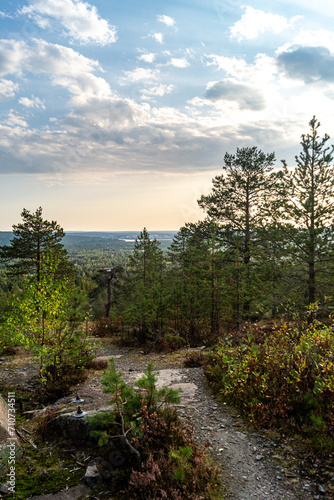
(307,209)
(195,279)
(32,240)
(143,288)
(239,204)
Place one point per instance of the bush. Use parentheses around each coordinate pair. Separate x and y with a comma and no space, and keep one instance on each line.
(195,360)
(97,364)
(286,380)
(170,343)
(182,474)
(104,327)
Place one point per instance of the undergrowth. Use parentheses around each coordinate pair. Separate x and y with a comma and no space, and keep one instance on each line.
(285,380)
(161,458)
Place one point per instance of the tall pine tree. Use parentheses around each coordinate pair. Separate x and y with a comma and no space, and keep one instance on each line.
(143,297)
(307,209)
(239,204)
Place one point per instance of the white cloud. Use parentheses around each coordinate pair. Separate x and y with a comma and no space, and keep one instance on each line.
(159,90)
(4,14)
(70,70)
(178,62)
(139,74)
(264,69)
(149,57)
(12,55)
(255,22)
(56,59)
(16,120)
(7,89)
(158,37)
(34,102)
(84,88)
(198,102)
(63,65)
(169,21)
(80,20)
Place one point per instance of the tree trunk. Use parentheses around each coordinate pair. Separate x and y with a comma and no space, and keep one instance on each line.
(108,303)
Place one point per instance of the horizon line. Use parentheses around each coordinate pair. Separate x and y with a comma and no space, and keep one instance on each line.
(102,230)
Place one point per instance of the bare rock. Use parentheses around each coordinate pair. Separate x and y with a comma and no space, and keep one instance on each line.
(93,476)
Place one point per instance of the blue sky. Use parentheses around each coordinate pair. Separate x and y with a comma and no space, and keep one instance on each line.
(116,115)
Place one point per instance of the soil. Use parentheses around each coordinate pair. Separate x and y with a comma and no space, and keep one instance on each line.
(254,465)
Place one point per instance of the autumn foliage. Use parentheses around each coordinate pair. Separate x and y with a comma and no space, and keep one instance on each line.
(284,379)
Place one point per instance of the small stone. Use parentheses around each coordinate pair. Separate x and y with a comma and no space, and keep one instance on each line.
(92,476)
(258,457)
(321,489)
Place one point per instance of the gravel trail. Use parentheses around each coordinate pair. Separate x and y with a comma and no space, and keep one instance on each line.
(248,461)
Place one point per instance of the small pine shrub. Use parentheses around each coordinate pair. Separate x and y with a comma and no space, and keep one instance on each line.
(169,464)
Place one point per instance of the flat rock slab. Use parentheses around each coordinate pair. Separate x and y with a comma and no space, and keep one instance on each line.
(70,494)
(175,378)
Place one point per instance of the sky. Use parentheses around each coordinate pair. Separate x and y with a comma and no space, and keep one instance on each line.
(117,115)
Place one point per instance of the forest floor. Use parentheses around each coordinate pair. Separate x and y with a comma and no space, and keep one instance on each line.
(254,464)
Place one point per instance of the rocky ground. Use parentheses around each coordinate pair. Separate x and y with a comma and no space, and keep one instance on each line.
(253,465)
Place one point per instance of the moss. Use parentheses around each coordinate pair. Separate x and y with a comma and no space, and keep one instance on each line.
(44,470)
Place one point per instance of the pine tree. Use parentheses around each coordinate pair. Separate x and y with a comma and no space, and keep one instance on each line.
(32,240)
(239,204)
(308,208)
(143,290)
(195,279)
